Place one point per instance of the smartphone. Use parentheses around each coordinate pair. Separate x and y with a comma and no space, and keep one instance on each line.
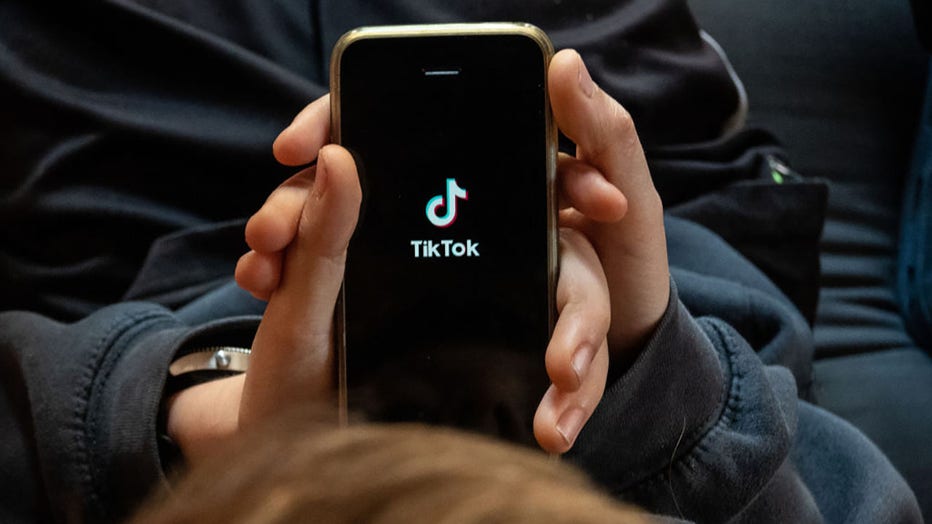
(447,304)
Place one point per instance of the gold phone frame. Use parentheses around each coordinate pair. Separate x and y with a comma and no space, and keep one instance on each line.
(434,30)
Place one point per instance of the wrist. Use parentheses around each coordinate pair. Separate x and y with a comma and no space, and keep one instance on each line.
(201,416)
(626,341)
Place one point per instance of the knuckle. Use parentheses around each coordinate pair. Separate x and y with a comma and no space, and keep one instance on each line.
(569,239)
(624,130)
(602,321)
(614,132)
(624,122)
(307,223)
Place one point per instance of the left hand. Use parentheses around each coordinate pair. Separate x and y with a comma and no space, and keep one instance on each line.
(292,361)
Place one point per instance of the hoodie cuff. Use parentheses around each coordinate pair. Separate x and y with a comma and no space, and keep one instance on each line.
(125,403)
(672,393)
(696,427)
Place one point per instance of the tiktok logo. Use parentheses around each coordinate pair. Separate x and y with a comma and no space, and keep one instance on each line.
(446,248)
(449,203)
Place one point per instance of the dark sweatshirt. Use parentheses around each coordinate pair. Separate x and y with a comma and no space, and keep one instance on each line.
(137,137)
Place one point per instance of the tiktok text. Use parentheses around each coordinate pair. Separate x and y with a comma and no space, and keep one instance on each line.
(444,248)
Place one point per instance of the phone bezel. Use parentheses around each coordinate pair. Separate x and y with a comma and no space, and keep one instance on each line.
(448,30)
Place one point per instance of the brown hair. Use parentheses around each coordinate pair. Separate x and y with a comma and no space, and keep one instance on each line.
(300,472)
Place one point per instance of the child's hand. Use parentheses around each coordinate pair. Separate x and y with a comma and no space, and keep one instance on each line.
(299,239)
(611,199)
(297,261)
(577,357)
(608,196)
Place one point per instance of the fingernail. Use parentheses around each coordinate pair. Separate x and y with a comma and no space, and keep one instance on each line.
(570,424)
(582,358)
(585,80)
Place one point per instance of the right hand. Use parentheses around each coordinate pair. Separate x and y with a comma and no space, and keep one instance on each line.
(629,239)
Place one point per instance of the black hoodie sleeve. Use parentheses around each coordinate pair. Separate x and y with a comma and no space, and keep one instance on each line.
(701,428)
(79,408)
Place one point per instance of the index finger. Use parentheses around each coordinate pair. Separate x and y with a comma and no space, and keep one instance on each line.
(299,143)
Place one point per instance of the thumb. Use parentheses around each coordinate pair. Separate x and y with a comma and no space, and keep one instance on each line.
(602,129)
(293,358)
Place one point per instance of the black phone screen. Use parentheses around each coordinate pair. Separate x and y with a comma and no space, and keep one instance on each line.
(447,300)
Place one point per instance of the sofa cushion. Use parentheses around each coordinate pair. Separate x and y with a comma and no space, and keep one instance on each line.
(841,84)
